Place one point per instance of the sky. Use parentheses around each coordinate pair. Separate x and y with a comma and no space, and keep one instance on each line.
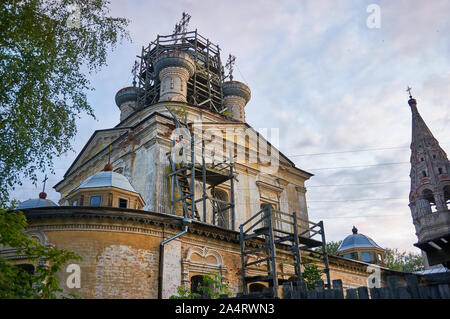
(330,76)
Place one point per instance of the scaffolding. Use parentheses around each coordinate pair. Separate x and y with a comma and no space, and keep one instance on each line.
(186,169)
(280,233)
(204,88)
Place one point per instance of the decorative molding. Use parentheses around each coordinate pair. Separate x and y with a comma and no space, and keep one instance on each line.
(266,186)
(188,266)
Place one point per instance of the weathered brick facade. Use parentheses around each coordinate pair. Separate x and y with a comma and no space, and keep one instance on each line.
(120,251)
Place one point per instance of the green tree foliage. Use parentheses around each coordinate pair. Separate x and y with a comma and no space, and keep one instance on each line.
(403,261)
(213,287)
(16,282)
(332,247)
(47,48)
(311,273)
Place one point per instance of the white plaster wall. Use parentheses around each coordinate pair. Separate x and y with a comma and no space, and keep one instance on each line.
(144,175)
(172,269)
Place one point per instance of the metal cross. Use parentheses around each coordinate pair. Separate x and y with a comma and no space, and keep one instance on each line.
(230,63)
(134,71)
(409,91)
(181,27)
(45,179)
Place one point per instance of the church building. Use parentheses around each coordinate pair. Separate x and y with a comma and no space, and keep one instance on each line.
(161,198)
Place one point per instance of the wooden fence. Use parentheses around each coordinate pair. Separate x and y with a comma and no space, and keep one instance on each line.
(412,290)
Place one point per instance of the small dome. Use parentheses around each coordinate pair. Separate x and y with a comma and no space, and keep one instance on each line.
(357,241)
(35,203)
(106,179)
(127,94)
(236,88)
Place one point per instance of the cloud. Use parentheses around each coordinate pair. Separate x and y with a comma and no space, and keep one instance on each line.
(326,81)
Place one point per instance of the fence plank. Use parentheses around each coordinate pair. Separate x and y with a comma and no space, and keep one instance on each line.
(392,282)
(329,294)
(424,292)
(434,292)
(363,293)
(319,289)
(319,285)
(351,294)
(337,288)
(403,293)
(384,293)
(374,293)
(413,286)
(311,294)
(287,290)
(303,290)
(444,291)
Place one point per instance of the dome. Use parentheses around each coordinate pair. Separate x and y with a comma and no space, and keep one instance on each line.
(36,202)
(174,59)
(106,179)
(236,88)
(357,241)
(128,94)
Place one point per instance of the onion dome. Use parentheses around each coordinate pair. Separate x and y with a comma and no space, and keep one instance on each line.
(236,88)
(37,202)
(126,100)
(235,97)
(127,94)
(357,241)
(174,59)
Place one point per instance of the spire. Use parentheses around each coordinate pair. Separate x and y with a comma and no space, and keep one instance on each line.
(420,130)
(429,162)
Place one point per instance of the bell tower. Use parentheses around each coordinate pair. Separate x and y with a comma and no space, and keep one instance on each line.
(429,198)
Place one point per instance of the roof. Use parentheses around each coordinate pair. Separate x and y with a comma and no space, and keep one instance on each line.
(35,203)
(106,179)
(356,240)
(436,270)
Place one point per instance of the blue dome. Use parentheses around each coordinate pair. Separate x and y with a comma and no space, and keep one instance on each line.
(35,203)
(357,241)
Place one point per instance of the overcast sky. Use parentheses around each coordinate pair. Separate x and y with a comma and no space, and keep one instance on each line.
(329,83)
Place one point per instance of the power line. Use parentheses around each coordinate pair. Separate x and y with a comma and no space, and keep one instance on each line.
(356,184)
(357,166)
(350,151)
(354,200)
(356,216)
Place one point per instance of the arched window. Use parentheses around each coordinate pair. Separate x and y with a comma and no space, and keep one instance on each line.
(447,195)
(428,196)
(220,208)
